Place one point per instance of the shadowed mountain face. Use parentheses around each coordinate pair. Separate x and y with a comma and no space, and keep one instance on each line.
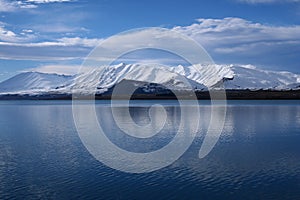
(151,79)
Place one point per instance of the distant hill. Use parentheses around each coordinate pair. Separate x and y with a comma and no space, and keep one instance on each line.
(29,82)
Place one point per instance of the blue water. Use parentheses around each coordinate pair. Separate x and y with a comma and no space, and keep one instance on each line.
(256,157)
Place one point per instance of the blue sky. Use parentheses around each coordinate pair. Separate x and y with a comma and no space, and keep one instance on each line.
(56,35)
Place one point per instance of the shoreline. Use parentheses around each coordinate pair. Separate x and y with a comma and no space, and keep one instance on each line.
(185,95)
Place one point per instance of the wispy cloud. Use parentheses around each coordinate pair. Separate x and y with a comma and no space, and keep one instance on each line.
(77,41)
(268,1)
(28,45)
(58,28)
(26,37)
(63,42)
(58,69)
(6,6)
(48,1)
(60,49)
(235,31)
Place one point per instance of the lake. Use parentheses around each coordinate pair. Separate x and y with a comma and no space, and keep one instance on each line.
(256,157)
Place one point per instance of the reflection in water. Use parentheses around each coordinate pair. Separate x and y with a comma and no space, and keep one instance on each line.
(94,136)
(257,156)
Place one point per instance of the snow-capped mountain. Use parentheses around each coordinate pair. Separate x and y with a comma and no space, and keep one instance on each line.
(197,77)
(249,77)
(106,77)
(34,82)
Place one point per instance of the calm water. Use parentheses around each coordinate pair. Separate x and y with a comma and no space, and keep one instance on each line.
(257,156)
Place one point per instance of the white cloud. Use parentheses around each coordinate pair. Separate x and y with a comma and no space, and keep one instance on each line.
(27,6)
(236,32)
(10,36)
(27,31)
(7,35)
(25,45)
(64,42)
(6,6)
(22,39)
(215,32)
(238,40)
(11,6)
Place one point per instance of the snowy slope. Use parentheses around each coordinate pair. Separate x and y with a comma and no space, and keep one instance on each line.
(198,77)
(106,77)
(253,78)
(240,77)
(33,81)
(208,75)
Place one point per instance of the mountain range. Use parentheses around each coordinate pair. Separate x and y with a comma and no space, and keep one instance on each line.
(151,79)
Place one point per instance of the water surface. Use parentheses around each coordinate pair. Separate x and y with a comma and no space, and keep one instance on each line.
(257,156)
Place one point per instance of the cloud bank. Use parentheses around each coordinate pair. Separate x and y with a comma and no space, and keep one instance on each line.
(228,40)
(239,40)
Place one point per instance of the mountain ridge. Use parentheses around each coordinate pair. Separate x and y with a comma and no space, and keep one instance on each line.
(197,78)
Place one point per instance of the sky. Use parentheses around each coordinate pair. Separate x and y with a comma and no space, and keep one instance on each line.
(55,36)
